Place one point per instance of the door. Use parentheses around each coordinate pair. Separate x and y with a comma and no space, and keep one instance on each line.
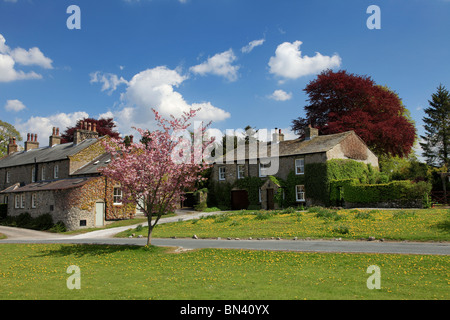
(99,213)
(270,199)
(239,199)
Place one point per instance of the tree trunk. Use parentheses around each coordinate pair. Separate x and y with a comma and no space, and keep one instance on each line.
(149,237)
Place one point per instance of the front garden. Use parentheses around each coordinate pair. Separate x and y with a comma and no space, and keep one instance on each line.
(314,223)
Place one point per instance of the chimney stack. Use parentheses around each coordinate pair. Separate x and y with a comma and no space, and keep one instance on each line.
(31,142)
(12,146)
(54,139)
(311,132)
(86,131)
(277,136)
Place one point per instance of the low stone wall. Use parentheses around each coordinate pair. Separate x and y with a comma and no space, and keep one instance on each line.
(397,204)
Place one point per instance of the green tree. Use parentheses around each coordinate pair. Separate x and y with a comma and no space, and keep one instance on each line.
(436,145)
(7,131)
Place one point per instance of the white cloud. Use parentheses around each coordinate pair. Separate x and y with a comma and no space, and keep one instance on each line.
(219,64)
(288,61)
(9,58)
(155,88)
(8,73)
(42,126)
(110,81)
(33,56)
(14,105)
(280,95)
(252,44)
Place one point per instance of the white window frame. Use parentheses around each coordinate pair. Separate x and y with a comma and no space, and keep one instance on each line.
(56,172)
(33,200)
(17,201)
(300,190)
(33,175)
(22,201)
(43,174)
(240,173)
(300,165)
(117,196)
(222,173)
(259,195)
(262,167)
(8,176)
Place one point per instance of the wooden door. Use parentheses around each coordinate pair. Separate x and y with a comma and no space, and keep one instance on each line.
(270,205)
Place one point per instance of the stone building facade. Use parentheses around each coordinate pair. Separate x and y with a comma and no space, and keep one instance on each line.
(62,180)
(292,156)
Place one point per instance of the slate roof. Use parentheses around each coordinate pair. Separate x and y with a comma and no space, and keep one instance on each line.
(48,185)
(298,146)
(93,166)
(45,154)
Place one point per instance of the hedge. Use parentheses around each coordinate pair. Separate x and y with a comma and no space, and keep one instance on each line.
(395,190)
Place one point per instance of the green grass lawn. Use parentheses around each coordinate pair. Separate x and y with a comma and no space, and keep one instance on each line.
(317,223)
(127,272)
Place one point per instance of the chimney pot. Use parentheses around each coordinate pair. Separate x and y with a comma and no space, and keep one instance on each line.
(57,131)
(95,127)
(28,137)
(89,126)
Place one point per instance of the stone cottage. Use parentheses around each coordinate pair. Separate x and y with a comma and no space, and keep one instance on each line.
(63,180)
(293,157)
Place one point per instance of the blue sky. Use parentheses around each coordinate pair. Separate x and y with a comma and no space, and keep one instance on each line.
(244,62)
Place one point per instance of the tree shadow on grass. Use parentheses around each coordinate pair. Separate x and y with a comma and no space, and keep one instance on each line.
(443,226)
(81,250)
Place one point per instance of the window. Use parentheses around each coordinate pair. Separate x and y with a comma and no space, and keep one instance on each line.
(33,200)
(56,171)
(240,171)
(300,193)
(117,197)
(221,173)
(22,201)
(263,169)
(259,195)
(33,174)
(43,173)
(300,166)
(17,202)
(7,176)
(6,200)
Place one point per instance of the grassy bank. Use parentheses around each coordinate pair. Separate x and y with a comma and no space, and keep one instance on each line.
(316,223)
(126,272)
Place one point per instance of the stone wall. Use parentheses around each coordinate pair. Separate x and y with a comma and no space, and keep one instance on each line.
(397,204)
(23,174)
(86,155)
(70,206)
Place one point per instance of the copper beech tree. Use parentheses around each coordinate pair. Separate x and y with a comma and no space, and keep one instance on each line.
(156,171)
(340,101)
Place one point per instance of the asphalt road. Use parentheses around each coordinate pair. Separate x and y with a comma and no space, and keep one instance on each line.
(105,236)
(281,245)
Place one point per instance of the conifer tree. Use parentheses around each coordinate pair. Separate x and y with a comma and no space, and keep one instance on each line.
(436,145)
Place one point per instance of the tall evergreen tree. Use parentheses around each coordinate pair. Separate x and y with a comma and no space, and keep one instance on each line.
(436,145)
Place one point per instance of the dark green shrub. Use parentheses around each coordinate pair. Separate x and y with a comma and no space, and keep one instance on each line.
(24,220)
(3,211)
(42,222)
(341,229)
(58,227)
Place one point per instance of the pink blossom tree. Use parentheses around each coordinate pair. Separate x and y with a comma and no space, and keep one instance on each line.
(156,171)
